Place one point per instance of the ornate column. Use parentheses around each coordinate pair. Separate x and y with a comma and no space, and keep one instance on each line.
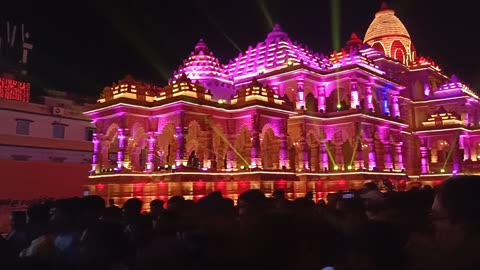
(388,155)
(122,146)
(180,155)
(354,98)
(372,159)
(105,144)
(96,149)
(339,160)
(283,152)
(424,159)
(322,101)
(300,94)
(358,163)
(456,157)
(395,106)
(303,154)
(207,155)
(398,156)
(255,160)
(323,156)
(465,145)
(150,150)
(369,101)
(385,105)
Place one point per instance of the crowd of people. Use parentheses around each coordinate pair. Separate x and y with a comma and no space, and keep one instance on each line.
(421,228)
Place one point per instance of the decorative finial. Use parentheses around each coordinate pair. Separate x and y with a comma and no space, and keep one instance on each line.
(201,46)
(454,78)
(384,6)
(277,28)
(276,34)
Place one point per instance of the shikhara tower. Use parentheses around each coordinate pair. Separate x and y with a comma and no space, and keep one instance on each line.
(280,115)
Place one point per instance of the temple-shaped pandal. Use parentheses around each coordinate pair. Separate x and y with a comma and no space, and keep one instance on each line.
(280,116)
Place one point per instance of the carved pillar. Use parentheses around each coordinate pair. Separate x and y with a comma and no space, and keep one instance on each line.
(456,157)
(255,160)
(424,159)
(322,102)
(339,160)
(395,106)
(398,156)
(122,146)
(180,155)
(300,94)
(372,158)
(369,101)
(95,156)
(231,163)
(207,154)
(105,162)
(150,150)
(354,97)
(358,163)
(385,105)
(323,156)
(303,154)
(465,145)
(284,152)
(388,155)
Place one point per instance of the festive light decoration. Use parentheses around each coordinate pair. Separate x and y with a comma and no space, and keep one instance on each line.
(14,90)
(281,116)
(387,34)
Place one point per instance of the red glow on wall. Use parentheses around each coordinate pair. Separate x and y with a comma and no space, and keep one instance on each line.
(199,188)
(321,195)
(280,184)
(437,182)
(319,186)
(341,185)
(162,189)
(138,190)
(243,186)
(14,90)
(402,185)
(221,186)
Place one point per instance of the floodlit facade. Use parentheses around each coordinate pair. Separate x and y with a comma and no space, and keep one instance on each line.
(281,116)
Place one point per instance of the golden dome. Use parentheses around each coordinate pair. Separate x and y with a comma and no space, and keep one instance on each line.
(388,35)
(385,24)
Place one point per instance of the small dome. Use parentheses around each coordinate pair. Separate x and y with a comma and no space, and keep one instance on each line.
(202,65)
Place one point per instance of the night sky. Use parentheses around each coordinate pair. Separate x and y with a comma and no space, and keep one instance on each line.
(82,48)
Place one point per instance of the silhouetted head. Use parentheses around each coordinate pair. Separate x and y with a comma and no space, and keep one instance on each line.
(250,201)
(156,207)
(18,220)
(455,209)
(132,208)
(176,203)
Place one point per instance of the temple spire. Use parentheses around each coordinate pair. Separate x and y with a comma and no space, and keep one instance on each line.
(201,46)
(384,6)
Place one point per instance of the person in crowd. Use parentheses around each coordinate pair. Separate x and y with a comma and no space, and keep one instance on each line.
(156,209)
(17,238)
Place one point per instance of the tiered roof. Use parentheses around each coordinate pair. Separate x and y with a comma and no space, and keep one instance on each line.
(202,65)
(442,117)
(183,86)
(256,91)
(277,51)
(128,87)
(453,88)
